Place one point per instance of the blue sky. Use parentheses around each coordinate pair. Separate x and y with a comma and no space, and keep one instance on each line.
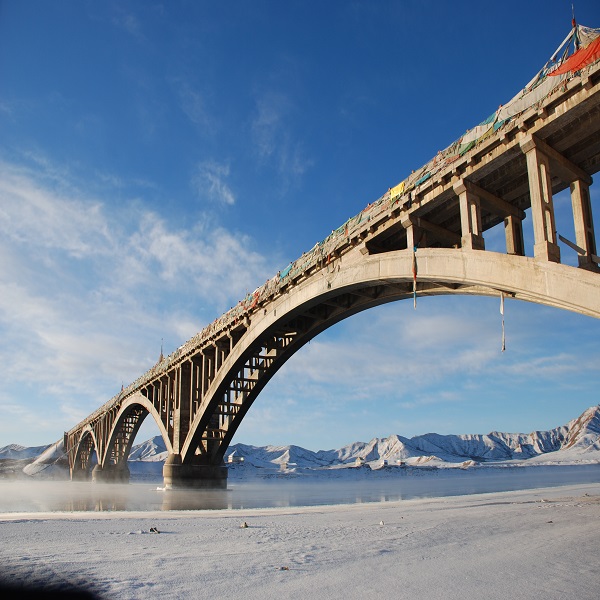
(159,160)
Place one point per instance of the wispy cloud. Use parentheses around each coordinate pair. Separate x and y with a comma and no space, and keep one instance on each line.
(393,352)
(6,109)
(268,123)
(194,105)
(210,181)
(128,22)
(87,290)
(274,139)
(38,217)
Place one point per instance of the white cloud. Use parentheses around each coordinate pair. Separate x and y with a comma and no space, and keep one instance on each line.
(390,351)
(42,218)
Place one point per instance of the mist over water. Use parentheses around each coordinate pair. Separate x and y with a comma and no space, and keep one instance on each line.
(60,496)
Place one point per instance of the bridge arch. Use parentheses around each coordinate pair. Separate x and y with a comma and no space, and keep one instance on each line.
(352,286)
(86,446)
(132,413)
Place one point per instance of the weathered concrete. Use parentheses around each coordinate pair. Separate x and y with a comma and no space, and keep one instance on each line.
(111,473)
(178,475)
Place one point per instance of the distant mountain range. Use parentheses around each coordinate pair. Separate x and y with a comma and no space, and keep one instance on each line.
(577,442)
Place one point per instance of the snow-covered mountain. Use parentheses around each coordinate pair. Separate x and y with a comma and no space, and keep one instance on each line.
(16,452)
(576,442)
(153,450)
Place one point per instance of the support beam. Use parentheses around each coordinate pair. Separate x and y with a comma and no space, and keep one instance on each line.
(417,226)
(562,167)
(470,217)
(513,217)
(111,473)
(414,234)
(492,202)
(443,234)
(542,208)
(513,230)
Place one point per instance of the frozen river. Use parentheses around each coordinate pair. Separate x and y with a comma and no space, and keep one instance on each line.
(337,488)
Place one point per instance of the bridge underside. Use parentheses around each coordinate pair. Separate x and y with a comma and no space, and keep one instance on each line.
(379,279)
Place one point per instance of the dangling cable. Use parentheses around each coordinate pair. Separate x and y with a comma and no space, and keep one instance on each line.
(414,271)
(502,313)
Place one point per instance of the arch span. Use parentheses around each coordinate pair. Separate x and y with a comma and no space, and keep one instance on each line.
(128,420)
(353,286)
(86,446)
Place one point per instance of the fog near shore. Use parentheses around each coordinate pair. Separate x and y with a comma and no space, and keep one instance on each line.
(355,486)
(535,544)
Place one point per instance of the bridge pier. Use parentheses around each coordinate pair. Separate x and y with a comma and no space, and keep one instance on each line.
(584,223)
(513,231)
(80,475)
(542,207)
(470,217)
(195,476)
(111,474)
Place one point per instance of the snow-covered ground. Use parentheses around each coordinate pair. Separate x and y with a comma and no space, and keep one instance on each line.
(532,544)
(537,544)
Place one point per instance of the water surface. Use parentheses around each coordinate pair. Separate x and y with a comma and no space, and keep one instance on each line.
(45,496)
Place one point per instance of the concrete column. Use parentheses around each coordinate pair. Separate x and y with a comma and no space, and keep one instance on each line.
(414,233)
(167,388)
(542,208)
(176,474)
(181,416)
(470,218)
(513,229)
(218,358)
(196,385)
(584,224)
(111,473)
(207,369)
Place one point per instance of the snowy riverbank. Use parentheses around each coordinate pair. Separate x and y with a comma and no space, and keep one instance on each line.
(535,544)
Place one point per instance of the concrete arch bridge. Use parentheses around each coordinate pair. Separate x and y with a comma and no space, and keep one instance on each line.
(425,236)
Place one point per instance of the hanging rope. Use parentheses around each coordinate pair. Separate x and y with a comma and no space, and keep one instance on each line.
(502,313)
(414,271)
